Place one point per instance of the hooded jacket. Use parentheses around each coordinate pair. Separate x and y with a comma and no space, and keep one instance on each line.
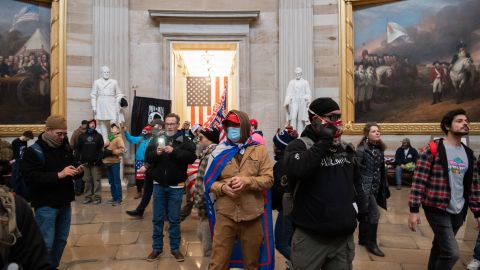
(255,165)
(328,185)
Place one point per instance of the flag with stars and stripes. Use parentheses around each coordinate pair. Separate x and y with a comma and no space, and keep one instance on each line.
(202,95)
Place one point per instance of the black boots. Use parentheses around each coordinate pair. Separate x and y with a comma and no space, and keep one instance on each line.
(372,246)
(362,233)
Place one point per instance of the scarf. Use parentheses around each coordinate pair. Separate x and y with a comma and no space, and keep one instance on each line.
(51,141)
(219,158)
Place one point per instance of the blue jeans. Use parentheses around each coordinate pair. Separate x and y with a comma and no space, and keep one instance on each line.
(54,224)
(147,194)
(283,234)
(398,175)
(113,172)
(166,200)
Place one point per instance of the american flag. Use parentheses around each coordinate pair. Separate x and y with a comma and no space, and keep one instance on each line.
(27,13)
(192,171)
(218,115)
(202,93)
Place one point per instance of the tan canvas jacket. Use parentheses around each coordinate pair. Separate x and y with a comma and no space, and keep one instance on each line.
(118,148)
(257,168)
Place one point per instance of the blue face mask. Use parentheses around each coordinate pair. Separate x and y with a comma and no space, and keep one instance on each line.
(90,131)
(233,134)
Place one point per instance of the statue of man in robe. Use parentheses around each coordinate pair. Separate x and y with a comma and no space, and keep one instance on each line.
(297,100)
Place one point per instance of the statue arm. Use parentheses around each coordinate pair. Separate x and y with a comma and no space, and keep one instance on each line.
(288,96)
(93,96)
(118,96)
(308,93)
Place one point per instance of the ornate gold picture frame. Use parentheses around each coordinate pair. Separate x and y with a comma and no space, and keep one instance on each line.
(57,68)
(347,94)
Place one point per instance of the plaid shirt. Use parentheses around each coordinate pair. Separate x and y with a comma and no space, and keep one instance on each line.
(430,184)
(199,190)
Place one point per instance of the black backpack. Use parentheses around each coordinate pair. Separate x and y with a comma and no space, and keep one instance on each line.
(20,186)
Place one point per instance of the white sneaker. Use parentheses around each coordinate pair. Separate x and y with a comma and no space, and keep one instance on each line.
(474,265)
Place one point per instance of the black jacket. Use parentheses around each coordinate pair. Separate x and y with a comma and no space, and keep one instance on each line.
(18,146)
(328,185)
(89,148)
(41,177)
(373,177)
(29,251)
(170,169)
(411,156)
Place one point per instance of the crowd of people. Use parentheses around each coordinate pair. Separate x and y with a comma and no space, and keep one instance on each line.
(321,186)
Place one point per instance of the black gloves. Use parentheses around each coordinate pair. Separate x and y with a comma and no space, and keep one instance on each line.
(324,131)
(107,153)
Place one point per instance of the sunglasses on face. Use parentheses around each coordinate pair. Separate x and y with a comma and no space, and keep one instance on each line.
(334,117)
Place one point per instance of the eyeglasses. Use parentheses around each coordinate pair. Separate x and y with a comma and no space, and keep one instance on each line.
(331,117)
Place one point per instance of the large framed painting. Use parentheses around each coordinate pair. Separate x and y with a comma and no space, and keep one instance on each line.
(32,63)
(404,63)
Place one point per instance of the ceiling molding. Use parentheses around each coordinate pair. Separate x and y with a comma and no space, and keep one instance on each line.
(249,15)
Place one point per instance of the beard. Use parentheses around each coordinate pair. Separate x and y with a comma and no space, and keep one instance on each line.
(460,133)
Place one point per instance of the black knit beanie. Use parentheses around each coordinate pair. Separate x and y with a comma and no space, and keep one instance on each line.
(322,106)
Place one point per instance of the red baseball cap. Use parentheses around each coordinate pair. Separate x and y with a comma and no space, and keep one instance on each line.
(231,117)
(253,122)
(148,128)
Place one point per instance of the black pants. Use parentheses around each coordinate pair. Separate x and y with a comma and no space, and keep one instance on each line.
(147,194)
(445,252)
(139,184)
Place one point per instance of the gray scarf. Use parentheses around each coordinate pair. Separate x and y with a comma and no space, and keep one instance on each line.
(51,141)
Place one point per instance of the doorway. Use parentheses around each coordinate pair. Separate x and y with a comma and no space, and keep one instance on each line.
(202,75)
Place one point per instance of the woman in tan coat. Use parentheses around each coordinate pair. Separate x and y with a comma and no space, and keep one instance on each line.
(113,151)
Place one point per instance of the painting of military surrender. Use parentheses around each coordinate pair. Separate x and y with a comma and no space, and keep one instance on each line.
(24,62)
(415,60)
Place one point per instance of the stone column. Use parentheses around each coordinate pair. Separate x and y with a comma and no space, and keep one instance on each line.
(111,46)
(295,45)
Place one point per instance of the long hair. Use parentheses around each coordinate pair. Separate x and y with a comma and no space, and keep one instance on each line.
(366,131)
(244,125)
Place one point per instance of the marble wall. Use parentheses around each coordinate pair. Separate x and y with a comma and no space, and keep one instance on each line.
(79,61)
(145,68)
(145,51)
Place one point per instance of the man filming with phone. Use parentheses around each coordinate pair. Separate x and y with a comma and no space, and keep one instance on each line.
(166,158)
(50,168)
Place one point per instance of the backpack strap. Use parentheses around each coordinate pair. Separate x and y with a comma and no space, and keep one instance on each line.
(433,148)
(37,149)
(308,143)
(9,232)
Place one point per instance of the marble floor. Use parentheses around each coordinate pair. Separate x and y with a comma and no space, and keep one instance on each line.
(104,237)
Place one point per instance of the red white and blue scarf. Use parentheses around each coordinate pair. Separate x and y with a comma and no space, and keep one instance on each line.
(224,152)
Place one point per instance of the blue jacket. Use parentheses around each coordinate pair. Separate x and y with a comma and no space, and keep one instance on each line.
(140,153)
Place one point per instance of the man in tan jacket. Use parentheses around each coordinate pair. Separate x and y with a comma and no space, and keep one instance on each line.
(113,151)
(239,191)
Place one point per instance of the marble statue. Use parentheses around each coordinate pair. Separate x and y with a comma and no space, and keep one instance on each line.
(297,100)
(106,96)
